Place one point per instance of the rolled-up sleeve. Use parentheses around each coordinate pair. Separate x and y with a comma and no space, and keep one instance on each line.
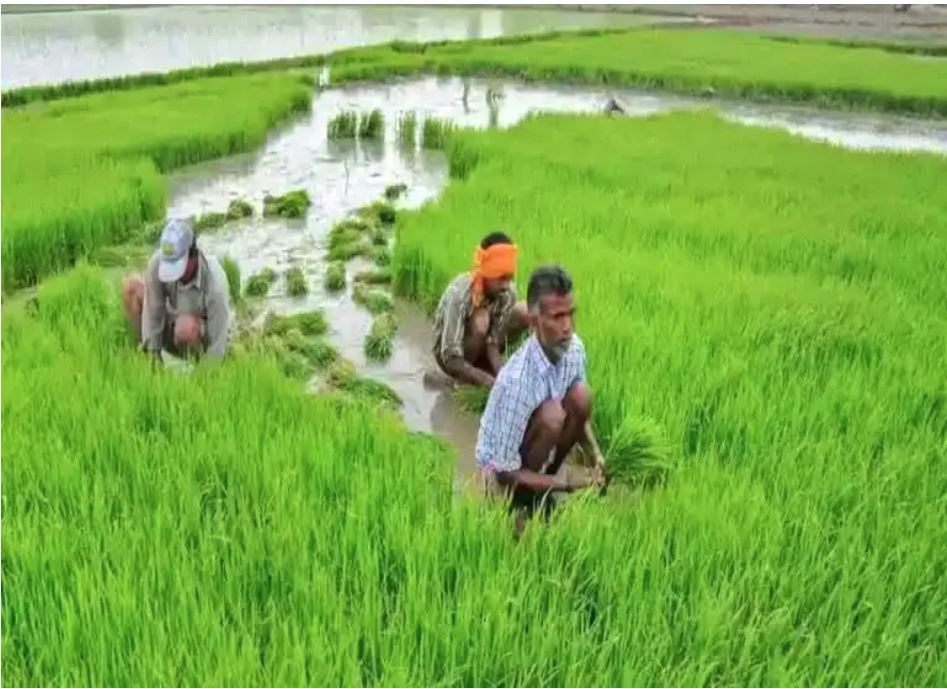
(154,314)
(503,426)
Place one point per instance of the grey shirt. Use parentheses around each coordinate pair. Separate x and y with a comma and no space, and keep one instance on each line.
(206,297)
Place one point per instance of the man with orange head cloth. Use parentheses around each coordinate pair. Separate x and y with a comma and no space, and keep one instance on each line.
(477,312)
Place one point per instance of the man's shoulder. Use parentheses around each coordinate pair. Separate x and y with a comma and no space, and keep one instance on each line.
(218,276)
(512,372)
(457,289)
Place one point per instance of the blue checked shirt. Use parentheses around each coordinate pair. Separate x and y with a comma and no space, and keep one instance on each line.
(526,381)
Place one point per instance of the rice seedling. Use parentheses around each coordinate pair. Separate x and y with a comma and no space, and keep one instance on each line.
(380,255)
(377,276)
(436,132)
(292,204)
(210,221)
(296,284)
(343,126)
(107,153)
(335,276)
(408,129)
(638,453)
(375,300)
(378,211)
(239,209)
(379,237)
(395,191)
(379,342)
(372,126)
(342,377)
(258,285)
(232,270)
(344,234)
(309,323)
(470,398)
(344,252)
(318,353)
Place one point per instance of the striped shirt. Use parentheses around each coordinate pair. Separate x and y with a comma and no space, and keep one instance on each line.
(453,311)
(526,381)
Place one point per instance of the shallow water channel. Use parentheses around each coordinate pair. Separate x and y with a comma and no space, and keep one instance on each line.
(342,176)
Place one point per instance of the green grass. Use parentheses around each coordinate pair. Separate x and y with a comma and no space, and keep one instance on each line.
(436,132)
(292,204)
(335,276)
(375,300)
(88,172)
(296,284)
(258,285)
(379,342)
(343,126)
(408,129)
(372,125)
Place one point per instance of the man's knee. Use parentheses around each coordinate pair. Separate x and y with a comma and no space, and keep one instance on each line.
(478,324)
(552,417)
(187,331)
(578,401)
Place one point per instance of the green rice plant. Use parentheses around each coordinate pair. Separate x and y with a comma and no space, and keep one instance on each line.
(309,323)
(232,270)
(292,204)
(638,453)
(239,209)
(436,132)
(371,126)
(344,234)
(318,353)
(345,252)
(344,125)
(106,153)
(379,342)
(342,377)
(210,221)
(335,276)
(470,398)
(379,237)
(395,191)
(378,211)
(127,255)
(381,256)
(258,285)
(375,300)
(296,284)
(377,276)
(408,129)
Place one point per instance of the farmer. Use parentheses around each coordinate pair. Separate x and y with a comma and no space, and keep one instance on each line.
(478,312)
(180,304)
(540,405)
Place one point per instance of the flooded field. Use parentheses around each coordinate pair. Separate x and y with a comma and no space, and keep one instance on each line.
(51,47)
(341,176)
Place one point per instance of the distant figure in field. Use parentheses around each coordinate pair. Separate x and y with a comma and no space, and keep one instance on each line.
(540,405)
(613,107)
(181,302)
(477,312)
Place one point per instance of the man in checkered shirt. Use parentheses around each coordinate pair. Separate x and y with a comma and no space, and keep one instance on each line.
(540,405)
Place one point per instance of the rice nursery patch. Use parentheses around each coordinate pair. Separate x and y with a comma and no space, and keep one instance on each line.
(335,276)
(258,285)
(292,204)
(379,342)
(296,283)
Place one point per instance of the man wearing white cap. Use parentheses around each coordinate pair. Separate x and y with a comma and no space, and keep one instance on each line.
(181,302)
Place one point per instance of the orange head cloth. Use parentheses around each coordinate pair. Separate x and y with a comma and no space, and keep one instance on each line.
(490,263)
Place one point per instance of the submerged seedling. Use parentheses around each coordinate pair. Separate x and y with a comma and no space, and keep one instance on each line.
(335,276)
(379,343)
(296,284)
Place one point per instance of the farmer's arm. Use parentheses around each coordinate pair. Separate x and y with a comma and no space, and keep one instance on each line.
(452,346)
(154,314)
(540,482)
(495,359)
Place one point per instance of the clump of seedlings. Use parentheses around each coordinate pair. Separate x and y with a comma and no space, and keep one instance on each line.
(378,276)
(342,377)
(394,191)
(344,125)
(232,270)
(378,211)
(210,221)
(379,237)
(371,126)
(381,256)
(471,398)
(239,209)
(292,204)
(343,234)
(408,129)
(335,276)
(309,323)
(344,252)
(296,285)
(436,132)
(379,343)
(375,300)
(259,285)
(638,453)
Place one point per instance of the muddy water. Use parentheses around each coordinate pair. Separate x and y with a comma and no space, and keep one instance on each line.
(341,176)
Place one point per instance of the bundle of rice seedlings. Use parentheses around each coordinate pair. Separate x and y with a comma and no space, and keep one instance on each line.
(335,276)
(259,285)
(232,270)
(292,204)
(343,234)
(309,323)
(344,252)
(638,453)
(209,221)
(238,209)
(372,126)
(436,132)
(342,377)
(379,237)
(378,276)
(379,343)
(408,128)
(317,352)
(381,255)
(393,191)
(296,285)
(471,398)
(343,126)
(380,211)
(375,300)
